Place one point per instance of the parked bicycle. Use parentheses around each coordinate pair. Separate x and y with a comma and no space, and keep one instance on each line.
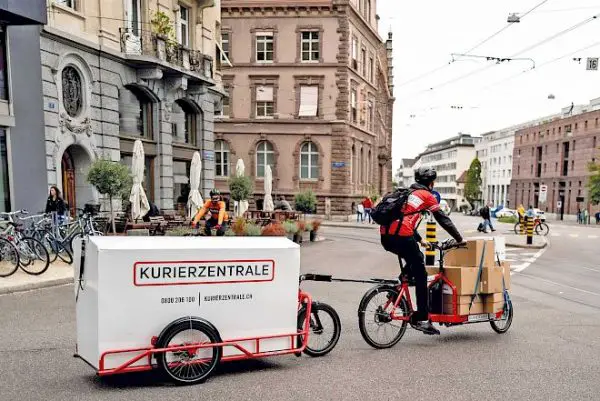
(540,227)
(33,256)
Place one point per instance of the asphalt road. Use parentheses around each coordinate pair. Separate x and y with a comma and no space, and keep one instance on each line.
(552,351)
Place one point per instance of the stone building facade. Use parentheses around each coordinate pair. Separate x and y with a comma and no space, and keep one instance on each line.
(116,71)
(556,154)
(311,95)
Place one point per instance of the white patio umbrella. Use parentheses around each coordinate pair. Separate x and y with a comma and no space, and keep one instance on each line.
(138,199)
(195,199)
(242,205)
(268,205)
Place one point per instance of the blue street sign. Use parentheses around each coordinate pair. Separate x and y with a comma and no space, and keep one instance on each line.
(208,155)
(338,164)
(437,196)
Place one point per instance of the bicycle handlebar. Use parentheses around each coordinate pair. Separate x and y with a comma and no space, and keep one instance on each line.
(23,211)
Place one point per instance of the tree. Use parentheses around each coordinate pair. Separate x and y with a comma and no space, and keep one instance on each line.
(240,187)
(306,202)
(473,184)
(111,179)
(593,184)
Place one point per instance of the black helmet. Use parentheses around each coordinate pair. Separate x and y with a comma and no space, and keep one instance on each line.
(214,192)
(425,175)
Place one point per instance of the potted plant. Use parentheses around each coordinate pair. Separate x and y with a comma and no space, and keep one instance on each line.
(306,202)
(299,234)
(252,230)
(274,229)
(240,188)
(315,229)
(162,28)
(291,229)
(239,226)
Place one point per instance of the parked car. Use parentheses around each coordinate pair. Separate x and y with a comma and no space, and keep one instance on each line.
(506,213)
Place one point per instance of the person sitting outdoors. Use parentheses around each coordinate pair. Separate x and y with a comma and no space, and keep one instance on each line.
(283,204)
(218,216)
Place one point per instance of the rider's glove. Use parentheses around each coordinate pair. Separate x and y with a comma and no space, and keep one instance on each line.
(218,227)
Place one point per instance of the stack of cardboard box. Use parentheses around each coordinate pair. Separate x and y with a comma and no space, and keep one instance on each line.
(461,267)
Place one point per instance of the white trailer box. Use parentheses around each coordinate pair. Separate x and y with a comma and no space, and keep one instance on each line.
(133,287)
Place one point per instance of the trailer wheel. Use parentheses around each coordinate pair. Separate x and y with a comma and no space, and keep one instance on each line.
(190,366)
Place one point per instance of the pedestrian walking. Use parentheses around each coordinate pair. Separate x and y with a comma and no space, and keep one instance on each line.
(579,216)
(368,206)
(360,213)
(56,205)
(585,216)
(487,221)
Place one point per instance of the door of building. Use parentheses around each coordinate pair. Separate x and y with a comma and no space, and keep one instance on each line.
(68,181)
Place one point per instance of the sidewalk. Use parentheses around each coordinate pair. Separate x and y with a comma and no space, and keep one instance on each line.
(58,273)
(329,223)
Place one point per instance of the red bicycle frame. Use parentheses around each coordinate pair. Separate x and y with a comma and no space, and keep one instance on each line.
(147,352)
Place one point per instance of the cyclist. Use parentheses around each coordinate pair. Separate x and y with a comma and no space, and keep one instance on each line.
(402,239)
(218,215)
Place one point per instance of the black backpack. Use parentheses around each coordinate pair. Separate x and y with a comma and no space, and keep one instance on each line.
(390,208)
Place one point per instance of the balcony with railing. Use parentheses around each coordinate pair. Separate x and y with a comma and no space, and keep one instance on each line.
(145,49)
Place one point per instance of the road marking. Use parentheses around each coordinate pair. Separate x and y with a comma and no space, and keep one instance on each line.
(555,234)
(574,235)
(529,261)
(560,284)
(592,236)
(590,269)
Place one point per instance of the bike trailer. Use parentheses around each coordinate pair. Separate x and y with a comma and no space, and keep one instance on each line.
(129,290)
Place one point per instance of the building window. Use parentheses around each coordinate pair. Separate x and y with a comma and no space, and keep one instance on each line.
(594,146)
(186,124)
(184,31)
(226,106)
(222,158)
(310,46)
(585,125)
(136,113)
(370,115)
(574,145)
(3,67)
(72,91)
(264,47)
(370,69)
(134,17)
(264,156)
(368,11)
(309,101)
(181,182)
(353,105)
(4,176)
(309,161)
(363,62)
(264,102)
(225,46)
(68,3)
(355,53)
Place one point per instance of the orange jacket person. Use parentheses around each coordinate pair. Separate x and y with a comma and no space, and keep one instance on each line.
(218,215)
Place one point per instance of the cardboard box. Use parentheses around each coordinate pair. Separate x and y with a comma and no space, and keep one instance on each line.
(471,255)
(493,303)
(432,271)
(463,303)
(463,278)
(506,270)
(491,280)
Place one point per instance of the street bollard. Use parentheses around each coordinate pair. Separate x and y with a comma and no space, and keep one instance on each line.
(529,230)
(522,224)
(430,235)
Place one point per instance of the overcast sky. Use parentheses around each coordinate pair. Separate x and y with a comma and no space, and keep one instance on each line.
(426,32)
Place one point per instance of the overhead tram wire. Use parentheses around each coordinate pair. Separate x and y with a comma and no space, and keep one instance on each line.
(478,45)
(540,43)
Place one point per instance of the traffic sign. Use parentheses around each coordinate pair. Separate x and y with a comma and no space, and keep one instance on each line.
(543,193)
(592,64)
(559,204)
(437,196)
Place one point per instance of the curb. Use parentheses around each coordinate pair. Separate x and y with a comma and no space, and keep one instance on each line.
(525,246)
(340,225)
(36,286)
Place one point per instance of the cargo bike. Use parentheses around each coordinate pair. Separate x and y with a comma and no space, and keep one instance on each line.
(387,307)
(123,327)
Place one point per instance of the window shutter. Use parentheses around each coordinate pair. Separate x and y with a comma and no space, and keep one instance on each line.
(309,100)
(264,93)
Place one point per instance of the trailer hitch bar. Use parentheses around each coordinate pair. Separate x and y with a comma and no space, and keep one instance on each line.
(329,279)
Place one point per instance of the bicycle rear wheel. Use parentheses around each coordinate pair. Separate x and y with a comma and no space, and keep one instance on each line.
(324,329)
(33,256)
(374,313)
(9,258)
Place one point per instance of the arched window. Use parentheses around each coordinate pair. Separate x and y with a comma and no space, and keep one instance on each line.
(369,167)
(72,91)
(136,113)
(264,156)
(309,161)
(184,119)
(361,166)
(353,164)
(222,158)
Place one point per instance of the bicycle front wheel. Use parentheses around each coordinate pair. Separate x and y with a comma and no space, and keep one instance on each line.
(324,328)
(9,258)
(33,255)
(542,229)
(376,325)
